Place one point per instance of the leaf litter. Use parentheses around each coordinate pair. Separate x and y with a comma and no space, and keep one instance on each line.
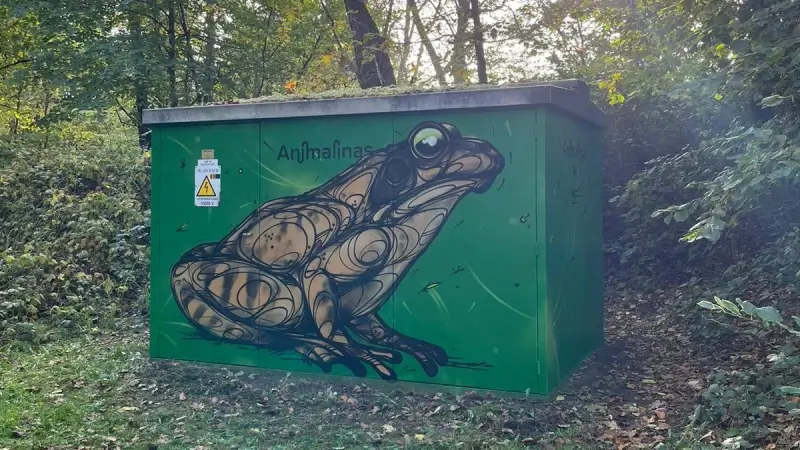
(636,390)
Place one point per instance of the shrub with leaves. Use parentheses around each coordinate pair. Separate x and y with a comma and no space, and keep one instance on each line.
(75,231)
(729,185)
(751,403)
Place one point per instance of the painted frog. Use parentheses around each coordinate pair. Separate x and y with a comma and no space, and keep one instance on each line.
(310,273)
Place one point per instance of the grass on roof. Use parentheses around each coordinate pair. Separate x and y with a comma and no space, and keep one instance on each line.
(374,92)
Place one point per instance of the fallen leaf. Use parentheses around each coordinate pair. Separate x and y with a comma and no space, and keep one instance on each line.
(388,428)
(560,398)
(182,396)
(435,411)
(419,437)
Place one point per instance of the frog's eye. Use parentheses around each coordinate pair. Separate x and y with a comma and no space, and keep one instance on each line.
(428,142)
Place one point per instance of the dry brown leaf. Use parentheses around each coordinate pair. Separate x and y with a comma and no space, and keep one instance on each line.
(435,411)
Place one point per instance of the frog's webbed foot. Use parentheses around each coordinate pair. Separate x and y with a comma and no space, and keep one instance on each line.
(325,354)
(373,329)
(377,358)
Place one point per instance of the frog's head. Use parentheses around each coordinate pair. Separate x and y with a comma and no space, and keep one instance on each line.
(434,164)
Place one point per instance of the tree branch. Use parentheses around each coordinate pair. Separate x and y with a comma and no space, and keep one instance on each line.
(15,63)
(133,119)
(304,69)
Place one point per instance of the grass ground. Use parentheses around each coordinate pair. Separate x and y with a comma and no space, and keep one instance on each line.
(103,392)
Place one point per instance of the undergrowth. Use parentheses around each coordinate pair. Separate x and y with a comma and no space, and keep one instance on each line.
(74,242)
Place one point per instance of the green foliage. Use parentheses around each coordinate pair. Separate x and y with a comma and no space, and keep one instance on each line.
(74,245)
(745,402)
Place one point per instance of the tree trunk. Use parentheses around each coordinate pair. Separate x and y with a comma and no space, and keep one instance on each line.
(423,36)
(191,72)
(139,77)
(211,41)
(478,41)
(405,52)
(373,66)
(458,67)
(171,55)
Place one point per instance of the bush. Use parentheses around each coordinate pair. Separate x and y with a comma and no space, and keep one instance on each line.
(747,406)
(75,231)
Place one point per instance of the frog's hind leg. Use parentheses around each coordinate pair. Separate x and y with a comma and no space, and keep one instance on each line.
(374,330)
(235,301)
(211,322)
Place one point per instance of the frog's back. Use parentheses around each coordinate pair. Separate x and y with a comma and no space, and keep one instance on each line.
(285,234)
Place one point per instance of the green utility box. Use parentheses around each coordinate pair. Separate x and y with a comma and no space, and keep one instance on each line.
(449,238)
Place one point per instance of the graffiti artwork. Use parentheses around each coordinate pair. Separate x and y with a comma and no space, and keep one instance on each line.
(310,273)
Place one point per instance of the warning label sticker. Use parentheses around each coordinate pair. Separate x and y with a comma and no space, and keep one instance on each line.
(207,183)
(206,189)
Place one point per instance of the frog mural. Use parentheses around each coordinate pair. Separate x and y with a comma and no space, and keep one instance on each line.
(310,273)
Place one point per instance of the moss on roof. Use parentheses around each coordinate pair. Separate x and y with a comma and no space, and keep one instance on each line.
(377,92)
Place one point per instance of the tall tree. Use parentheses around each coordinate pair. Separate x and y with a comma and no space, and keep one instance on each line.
(172,54)
(423,36)
(210,56)
(139,72)
(373,66)
(478,40)
(458,64)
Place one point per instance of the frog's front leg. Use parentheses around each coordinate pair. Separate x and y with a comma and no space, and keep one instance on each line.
(347,262)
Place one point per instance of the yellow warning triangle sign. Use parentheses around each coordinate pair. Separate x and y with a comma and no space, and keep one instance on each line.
(206,189)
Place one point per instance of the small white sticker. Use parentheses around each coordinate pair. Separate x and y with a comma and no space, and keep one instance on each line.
(207,183)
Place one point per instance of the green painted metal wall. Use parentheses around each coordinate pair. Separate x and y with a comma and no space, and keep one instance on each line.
(571,225)
(503,292)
